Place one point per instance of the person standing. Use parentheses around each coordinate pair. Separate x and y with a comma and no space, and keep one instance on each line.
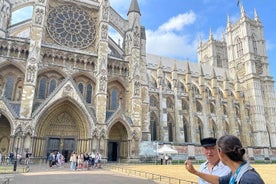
(0,158)
(231,153)
(212,165)
(73,160)
(51,158)
(27,158)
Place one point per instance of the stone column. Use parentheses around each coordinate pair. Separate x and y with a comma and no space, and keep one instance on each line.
(37,30)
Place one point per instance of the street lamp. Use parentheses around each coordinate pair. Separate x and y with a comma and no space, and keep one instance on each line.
(17,145)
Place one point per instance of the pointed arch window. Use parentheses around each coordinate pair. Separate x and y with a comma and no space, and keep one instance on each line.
(114,99)
(89,93)
(153,101)
(254,42)
(169,85)
(170,128)
(239,48)
(80,86)
(219,61)
(153,127)
(9,87)
(198,106)
(53,85)
(199,128)
(185,129)
(42,88)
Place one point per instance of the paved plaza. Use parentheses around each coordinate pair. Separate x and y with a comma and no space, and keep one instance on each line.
(41,174)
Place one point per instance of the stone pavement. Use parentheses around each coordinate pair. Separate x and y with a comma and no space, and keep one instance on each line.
(42,174)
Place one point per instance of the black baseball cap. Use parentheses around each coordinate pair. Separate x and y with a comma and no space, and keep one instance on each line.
(208,142)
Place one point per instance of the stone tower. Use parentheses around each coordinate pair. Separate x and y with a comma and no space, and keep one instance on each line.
(213,52)
(249,65)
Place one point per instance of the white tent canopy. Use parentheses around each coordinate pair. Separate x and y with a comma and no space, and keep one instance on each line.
(167,150)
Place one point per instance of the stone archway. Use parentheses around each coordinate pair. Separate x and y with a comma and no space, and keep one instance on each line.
(5,132)
(118,144)
(63,128)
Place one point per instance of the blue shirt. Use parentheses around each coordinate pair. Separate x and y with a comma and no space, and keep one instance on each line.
(249,177)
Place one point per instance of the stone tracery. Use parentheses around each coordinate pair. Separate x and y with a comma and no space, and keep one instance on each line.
(71,26)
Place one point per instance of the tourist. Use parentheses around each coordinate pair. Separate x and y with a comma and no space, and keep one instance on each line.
(27,158)
(231,153)
(51,159)
(73,160)
(212,165)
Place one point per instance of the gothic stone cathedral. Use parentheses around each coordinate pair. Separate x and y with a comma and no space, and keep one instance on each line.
(66,85)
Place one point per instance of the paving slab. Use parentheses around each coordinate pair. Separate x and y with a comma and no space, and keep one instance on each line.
(42,174)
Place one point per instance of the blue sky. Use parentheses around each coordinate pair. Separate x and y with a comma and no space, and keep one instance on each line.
(174,27)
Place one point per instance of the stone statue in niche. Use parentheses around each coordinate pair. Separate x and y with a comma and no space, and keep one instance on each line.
(137,88)
(39,16)
(102,83)
(136,36)
(104,31)
(31,73)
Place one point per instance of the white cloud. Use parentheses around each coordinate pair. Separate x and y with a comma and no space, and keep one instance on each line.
(169,39)
(270,45)
(171,45)
(178,22)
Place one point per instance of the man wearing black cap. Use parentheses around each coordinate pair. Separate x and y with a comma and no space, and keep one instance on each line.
(213,165)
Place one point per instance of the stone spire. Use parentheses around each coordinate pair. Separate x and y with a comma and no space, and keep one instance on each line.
(134,7)
(199,41)
(243,13)
(211,35)
(228,23)
(256,17)
(188,73)
(214,81)
(201,80)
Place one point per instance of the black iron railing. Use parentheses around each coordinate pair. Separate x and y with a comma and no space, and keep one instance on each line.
(149,175)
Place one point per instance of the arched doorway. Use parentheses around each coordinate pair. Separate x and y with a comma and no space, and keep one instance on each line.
(5,131)
(118,144)
(63,129)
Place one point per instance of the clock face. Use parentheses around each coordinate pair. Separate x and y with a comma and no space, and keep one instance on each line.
(71,26)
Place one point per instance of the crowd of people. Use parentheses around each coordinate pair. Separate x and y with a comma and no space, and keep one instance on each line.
(78,161)
(10,158)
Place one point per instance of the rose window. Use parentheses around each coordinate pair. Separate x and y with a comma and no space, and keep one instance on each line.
(71,26)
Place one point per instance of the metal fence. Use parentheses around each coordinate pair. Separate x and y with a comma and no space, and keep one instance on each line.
(148,175)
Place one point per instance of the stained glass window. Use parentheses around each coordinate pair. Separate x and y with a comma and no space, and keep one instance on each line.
(9,87)
(42,89)
(71,26)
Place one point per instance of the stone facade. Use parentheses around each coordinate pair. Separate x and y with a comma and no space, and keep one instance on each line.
(66,86)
